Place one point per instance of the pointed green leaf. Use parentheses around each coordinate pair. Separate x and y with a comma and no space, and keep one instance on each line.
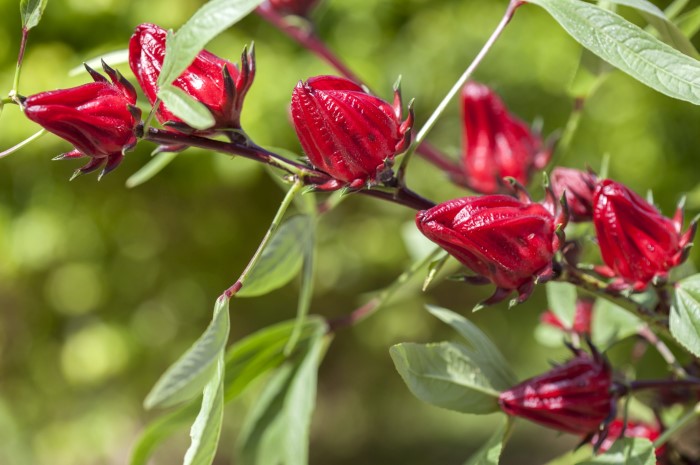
(31,11)
(562,301)
(684,321)
(209,21)
(281,259)
(490,452)
(501,374)
(150,169)
(186,378)
(628,47)
(189,110)
(626,451)
(206,428)
(447,375)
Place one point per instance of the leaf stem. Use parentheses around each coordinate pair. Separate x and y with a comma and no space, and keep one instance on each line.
(20,59)
(673,429)
(276,221)
(371,307)
(663,350)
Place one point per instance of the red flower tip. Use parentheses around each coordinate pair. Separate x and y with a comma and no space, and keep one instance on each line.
(575,397)
(346,132)
(638,244)
(582,318)
(217,83)
(98,118)
(496,144)
(509,241)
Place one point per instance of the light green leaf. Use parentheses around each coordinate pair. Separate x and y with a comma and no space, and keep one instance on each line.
(31,11)
(209,21)
(626,451)
(500,372)
(628,47)
(684,321)
(448,375)
(206,428)
(277,428)
(490,452)
(562,301)
(281,259)
(186,378)
(150,169)
(195,114)
(160,430)
(611,323)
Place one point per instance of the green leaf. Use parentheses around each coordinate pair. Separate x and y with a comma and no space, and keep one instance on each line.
(206,428)
(628,48)
(562,301)
(31,11)
(626,451)
(186,378)
(501,374)
(434,268)
(684,321)
(209,21)
(277,428)
(150,169)
(490,452)
(281,259)
(611,323)
(195,114)
(447,375)
(160,430)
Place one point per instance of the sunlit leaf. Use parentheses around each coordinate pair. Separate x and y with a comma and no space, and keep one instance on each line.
(31,11)
(195,114)
(186,378)
(628,47)
(684,321)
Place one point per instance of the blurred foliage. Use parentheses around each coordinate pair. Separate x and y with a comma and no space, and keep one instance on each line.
(102,287)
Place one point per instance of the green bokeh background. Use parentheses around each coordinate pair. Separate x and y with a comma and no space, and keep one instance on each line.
(102,287)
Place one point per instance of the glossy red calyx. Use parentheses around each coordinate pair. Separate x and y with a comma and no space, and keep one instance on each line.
(98,118)
(578,187)
(496,143)
(217,83)
(347,133)
(638,244)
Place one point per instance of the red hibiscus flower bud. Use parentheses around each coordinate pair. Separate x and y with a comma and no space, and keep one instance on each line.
(346,132)
(582,318)
(496,144)
(509,241)
(632,430)
(99,119)
(578,187)
(638,244)
(292,7)
(213,81)
(576,397)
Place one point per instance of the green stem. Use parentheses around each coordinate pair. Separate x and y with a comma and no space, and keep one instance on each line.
(276,221)
(673,429)
(371,307)
(663,350)
(20,58)
(675,8)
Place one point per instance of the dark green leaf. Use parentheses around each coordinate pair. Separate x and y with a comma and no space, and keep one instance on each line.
(684,321)
(626,451)
(150,169)
(160,430)
(562,301)
(210,20)
(31,11)
(206,428)
(490,452)
(186,378)
(189,110)
(281,259)
(628,47)
(498,369)
(448,375)
(277,428)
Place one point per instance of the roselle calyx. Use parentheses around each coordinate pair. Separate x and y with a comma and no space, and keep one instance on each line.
(346,132)
(507,240)
(578,187)
(496,143)
(216,83)
(98,118)
(638,244)
(618,428)
(576,397)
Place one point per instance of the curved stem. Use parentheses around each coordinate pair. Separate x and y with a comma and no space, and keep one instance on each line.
(401,195)
(663,350)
